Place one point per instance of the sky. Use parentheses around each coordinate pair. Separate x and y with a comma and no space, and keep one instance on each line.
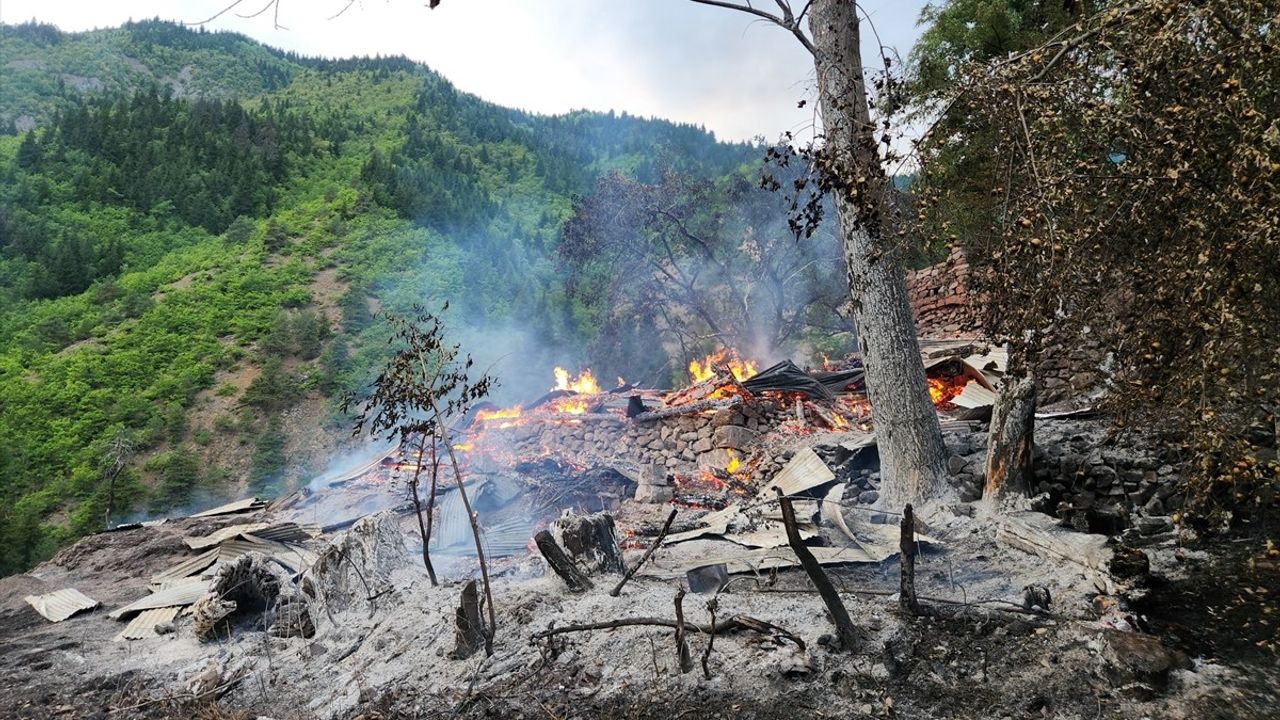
(737,76)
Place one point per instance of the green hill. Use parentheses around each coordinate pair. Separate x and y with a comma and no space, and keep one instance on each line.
(195,231)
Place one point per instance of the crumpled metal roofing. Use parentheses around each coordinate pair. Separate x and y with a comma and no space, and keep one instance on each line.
(62,604)
(144,626)
(238,506)
(175,596)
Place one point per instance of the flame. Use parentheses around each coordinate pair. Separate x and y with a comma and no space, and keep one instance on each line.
(572,406)
(942,390)
(704,369)
(463,447)
(584,384)
(504,417)
(734,463)
(838,422)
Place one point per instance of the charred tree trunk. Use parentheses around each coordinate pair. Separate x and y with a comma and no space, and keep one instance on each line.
(592,542)
(424,527)
(561,564)
(912,455)
(469,631)
(1010,443)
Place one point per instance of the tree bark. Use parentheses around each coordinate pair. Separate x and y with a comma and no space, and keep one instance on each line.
(912,454)
(1011,440)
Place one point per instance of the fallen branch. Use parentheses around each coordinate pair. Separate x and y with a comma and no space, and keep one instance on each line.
(737,622)
(617,590)
(845,629)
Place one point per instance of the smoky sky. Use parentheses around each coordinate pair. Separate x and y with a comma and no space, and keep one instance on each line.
(737,76)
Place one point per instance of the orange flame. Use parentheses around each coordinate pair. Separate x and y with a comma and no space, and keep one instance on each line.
(584,384)
(941,390)
(706,368)
(572,407)
(463,447)
(505,417)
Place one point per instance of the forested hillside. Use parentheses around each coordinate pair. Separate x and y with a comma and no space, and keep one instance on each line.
(196,232)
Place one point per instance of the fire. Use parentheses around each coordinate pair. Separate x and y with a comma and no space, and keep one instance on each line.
(572,406)
(734,463)
(463,447)
(505,417)
(704,369)
(942,390)
(584,384)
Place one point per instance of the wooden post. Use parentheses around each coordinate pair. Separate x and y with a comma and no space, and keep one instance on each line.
(682,647)
(845,630)
(907,554)
(1011,441)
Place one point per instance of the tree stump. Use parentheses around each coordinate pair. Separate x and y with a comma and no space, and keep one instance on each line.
(469,634)
(591,542)
(1011,441)
(561,564)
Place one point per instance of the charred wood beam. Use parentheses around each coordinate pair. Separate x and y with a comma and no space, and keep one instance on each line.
(561,564)
(682,647)
(688,408)
(907,555)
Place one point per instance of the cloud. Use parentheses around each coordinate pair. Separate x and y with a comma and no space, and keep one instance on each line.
(667,58)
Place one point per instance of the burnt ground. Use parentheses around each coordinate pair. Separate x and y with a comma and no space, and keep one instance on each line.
(1213,602)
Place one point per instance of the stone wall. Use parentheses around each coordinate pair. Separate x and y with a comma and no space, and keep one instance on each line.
(940,300)
(944,308)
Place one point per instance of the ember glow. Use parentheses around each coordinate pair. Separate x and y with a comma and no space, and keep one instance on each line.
(704,369)
(584,384)
(942,390)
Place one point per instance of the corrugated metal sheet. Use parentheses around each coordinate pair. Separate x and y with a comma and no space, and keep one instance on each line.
(510,537)
(805,472)
(293,557)
(453,529)
(287,532)
(226,533)
(144,626)
(187,567)
(158,586)
(176,596)
(974,396)
(60,605)
(238,506)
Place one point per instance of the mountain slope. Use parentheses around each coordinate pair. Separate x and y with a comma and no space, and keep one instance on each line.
(195,231)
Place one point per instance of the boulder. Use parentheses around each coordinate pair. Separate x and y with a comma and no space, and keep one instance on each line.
(654,494)
(733,436)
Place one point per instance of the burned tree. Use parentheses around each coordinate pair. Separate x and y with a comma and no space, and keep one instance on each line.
(422,388)
(1134,210)
(704,263)
(848,166)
